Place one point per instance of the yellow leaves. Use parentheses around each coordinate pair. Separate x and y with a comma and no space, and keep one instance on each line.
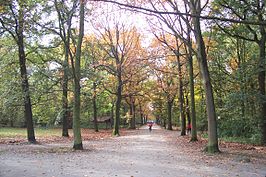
(1,9)
(3,5)
(233,64)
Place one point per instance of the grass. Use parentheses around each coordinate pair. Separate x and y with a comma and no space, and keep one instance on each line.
(254,140)
(241,140)
(19,132)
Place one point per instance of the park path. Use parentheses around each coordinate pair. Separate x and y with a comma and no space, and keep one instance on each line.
(139,153)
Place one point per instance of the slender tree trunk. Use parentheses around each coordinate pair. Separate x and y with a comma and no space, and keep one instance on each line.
(180,93)
(261,80)
(181,97)
(192,96)
(112,114)
(212,146)
(188,111)
(24,78)
(169,113)
(145,118)
(65,36)
(132,114)
(261,77)
(239,52)
(76,115)
(95,108)
(65,97)
(141,114)
(182,114)
(191,79)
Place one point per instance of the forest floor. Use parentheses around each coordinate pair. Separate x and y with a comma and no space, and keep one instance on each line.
(136,153)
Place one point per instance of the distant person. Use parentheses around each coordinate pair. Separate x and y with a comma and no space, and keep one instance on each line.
(150,124)
(189,128)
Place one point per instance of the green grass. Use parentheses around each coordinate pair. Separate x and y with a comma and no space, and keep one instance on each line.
(254,140)
(241,140)
(40,132)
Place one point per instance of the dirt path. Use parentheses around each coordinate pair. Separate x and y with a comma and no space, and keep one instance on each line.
(140,153)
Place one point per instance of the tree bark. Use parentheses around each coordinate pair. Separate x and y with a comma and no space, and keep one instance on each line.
(76,114)
(261,80)
(169,114)
(141,114)
(118,106)
(192,94)
(95,108)
(112,114)
(24,77)
(212,146)
(181,96)
(132,113)
(65,96)
(65,33)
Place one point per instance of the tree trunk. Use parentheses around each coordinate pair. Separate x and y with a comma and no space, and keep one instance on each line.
(65,97)
(76,115)
(212,146)
(117,106)
(112,114)
(65,36)
(188,111)
(95,108)
(169,114)
(141,114)
(24,78)
(132,114)
(261,80)
(182,114)
(181,97)
(192,97)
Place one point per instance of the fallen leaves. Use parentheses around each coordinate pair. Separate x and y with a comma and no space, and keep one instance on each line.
(87,135)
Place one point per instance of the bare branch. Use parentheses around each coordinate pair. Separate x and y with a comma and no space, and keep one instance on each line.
(144,9)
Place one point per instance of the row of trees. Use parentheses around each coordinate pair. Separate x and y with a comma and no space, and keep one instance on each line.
(108,70)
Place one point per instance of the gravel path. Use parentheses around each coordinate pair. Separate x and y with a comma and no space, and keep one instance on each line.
(138,154)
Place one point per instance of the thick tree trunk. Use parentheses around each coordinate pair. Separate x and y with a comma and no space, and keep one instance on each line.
(118,106)
(95,108)
(76,118)
(76,115)
(169,114)
(24,79)
(212,146)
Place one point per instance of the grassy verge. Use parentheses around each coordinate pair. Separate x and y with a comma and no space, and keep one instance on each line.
(254,140)
(19,132)
(242,140)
